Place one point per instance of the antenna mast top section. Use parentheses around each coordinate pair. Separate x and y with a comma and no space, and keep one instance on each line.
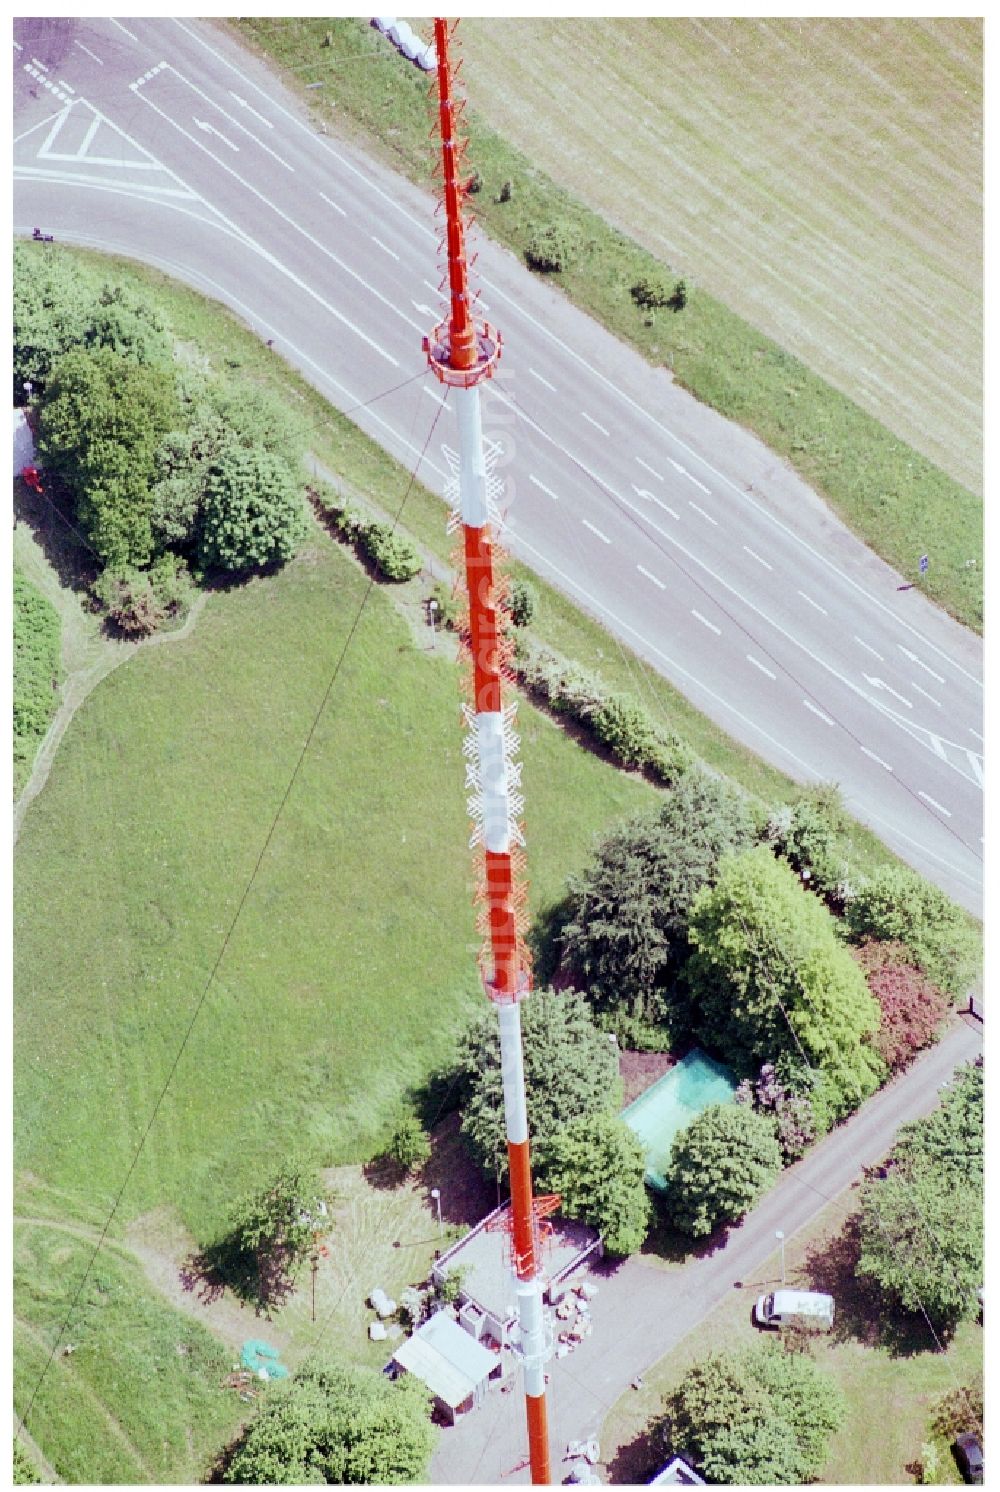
(461,351)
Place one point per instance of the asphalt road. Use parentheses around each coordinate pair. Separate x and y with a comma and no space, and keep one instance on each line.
(165,141)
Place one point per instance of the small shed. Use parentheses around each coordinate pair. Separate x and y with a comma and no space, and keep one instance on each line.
(455,1367)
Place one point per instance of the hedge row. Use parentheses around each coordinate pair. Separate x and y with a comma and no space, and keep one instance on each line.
(394,556)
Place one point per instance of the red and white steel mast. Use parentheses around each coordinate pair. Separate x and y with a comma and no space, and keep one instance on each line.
(463,351)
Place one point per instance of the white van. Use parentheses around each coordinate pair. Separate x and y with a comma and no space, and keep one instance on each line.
(796,1308)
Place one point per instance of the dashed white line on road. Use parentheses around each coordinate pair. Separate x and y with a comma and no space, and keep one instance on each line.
(818,607)
(591,421)
(385,247)
(596,531)
(419,306)
(934,803)
(646,467)
(123,28)
(975,733)
(876,758)
(88,51)
(542,488)
(817,711)
(757,557)
(706,623)
(685,473)
(705,515)
(543,380)
(437,398)
(649,576)
(919,662)
(916,686)
(868,648)
(757,664)
(436,288)
(977,766)
(335,205)
(19,46)
(68,87)
(39,64)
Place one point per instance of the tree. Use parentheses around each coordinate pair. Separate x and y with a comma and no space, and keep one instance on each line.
(272,1230)
(410,1146)
(131,325)
(252,511)
(596,1164)
(628,931)
(570,1069)
(720,1166)
(897,905)
(770,977)
(807,835)
(795,1121)
(755,1417)
(53,297)
(922,1215)
(913,1009)
(102,418)
(344,1426)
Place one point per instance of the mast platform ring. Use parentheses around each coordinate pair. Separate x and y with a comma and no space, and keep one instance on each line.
(489,346)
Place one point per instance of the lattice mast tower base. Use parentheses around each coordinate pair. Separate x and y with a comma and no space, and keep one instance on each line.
(463,351)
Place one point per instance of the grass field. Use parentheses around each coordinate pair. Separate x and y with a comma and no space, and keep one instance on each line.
(899,501)
(891,1380)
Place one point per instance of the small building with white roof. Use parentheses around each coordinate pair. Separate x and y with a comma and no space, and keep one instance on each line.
(455,1367)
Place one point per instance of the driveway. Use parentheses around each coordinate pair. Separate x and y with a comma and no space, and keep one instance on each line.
(642,1310)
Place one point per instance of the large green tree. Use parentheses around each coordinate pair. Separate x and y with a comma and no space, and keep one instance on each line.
(271,1231)
(628,930)
(53,299)
(720,1166)
(252,511)
(344,1426)
(570,1069)
(770,977)
(756,1417)
(895,904)
(596,1164)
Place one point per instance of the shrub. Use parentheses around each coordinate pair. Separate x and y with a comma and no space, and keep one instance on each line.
(522,602)
(53,297)
(794,1118)
(650,293)
(637,740)
(597,1166)
(913,1009)
(548,249)
(448,606)
(132,326)
(24,1473)
(806,835)
(252,513)
(410,1146)
(392,553)
(37,654)
(720,1166)
(897,905)
(130,601)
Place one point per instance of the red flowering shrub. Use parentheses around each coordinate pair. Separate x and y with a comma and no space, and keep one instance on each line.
(912,1007)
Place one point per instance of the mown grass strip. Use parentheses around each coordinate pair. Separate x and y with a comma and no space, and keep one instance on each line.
(900,503)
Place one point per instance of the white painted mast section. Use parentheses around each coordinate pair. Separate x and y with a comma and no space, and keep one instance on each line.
(472,483)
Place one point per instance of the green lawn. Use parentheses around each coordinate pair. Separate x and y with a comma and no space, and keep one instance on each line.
(887,1367)
(897,500)
(37,672)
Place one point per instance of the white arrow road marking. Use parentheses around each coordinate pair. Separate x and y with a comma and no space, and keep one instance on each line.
(593,422)
(705,515)
(244,105)
(335,205)
(543,380)
(917,687)
(642,492)
(757,558)
(706,623)
(976,764)
(876,758)
(88,51)
(646,467)
(919,662)
(934,803)
(868,648)
(975,733)
(757,664)
(643,571)
(881,684)
(209,129)
(814,603)
(685,473)
(596,531)
(385,247)
(816,711)
(542,487)
(419,306)
(936,746)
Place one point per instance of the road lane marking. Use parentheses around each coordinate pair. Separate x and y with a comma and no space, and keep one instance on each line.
(385,247)
(40,64)
(975,733)
(919,662)
(705,515)
(818,607)
(976,765)
(250,109)
(543,380)
(542,487)
(92,129)
(335,205)
(436,397)
(876,758)
(419,307)
(881,684)
(19,46)
(209,129)
(685,473)
(650,576)
(916,686)
(87,50)
(757,557)
(123,28)
(817,711)
(68,86)
(593,422)
(706,623)
(757,664)
(587,524)
(934,803)
(646,467)
(868,648)
(642,492)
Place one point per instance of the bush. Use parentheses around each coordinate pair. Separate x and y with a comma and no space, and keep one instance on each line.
(637,740)
(794,1118)
(37,655)
(133,327)
(130,601)
(392,553)
(597,1166)
(410,1146)
(53,298)
(448,606)
(897,905)
(650,293)
(548,249)
(253,512)
(522,602)
(913,1009)
(806,835)
(720,1166)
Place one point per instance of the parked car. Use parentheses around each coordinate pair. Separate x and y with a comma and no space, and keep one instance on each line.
(796,1308)
(969,1455)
